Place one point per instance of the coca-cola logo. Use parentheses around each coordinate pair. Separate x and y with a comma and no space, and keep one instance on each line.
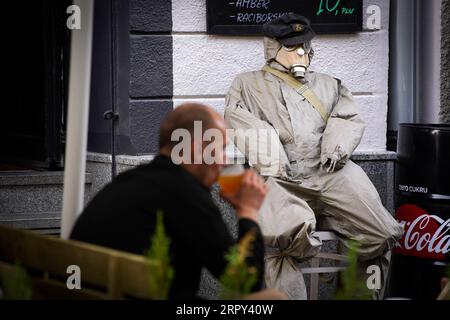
(425,236)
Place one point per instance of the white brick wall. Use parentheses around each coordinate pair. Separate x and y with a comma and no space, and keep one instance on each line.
(204,65)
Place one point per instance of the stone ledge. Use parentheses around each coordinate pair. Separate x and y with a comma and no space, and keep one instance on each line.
(137,160)
(26,178)
(47,220)
(120,159)
(374,155)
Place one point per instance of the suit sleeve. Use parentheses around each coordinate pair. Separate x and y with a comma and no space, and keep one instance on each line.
(253,136)
(344,129)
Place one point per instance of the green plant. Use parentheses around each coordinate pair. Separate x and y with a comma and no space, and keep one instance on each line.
(353,288)
(17,284)
(161,272)
(238,278)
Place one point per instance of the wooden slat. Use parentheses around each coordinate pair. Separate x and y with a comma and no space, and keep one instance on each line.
(118,272)
(54,290)
(315,269)
(322,270)
(314,279)
(51,289)
(331,256)
(326,235)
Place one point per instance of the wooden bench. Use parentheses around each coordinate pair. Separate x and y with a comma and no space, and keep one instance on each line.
(105,273)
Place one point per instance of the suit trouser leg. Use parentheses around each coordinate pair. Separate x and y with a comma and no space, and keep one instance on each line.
(353,209)
(288,225)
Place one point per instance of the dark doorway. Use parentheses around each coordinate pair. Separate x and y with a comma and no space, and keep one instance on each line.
(34,70)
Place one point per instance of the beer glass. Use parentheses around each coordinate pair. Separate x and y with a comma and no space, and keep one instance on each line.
(230,179)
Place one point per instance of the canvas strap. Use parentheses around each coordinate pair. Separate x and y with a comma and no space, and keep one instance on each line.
(301,89)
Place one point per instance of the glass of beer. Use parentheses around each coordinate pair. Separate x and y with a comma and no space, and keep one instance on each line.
(230,179)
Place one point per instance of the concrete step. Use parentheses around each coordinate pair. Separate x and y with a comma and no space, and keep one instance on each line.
(33,199)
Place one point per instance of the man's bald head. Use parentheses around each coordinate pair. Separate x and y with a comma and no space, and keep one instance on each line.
(183,117)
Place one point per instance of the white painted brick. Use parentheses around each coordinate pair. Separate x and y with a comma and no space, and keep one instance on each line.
(373,110)
(189,16)
(384,6)
(217,104)
(206,65)
(360,60)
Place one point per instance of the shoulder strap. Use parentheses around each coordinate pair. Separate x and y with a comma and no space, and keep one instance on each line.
(301,89)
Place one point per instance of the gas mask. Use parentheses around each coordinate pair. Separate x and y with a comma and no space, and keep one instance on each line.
(296,58)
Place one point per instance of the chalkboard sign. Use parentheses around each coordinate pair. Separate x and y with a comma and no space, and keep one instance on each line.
(245,17)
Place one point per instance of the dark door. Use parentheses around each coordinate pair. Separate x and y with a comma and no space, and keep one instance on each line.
(34,71)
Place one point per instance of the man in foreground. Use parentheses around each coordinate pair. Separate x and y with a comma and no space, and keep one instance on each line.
(122,215)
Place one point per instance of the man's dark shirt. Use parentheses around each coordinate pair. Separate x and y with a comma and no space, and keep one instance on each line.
(122,216)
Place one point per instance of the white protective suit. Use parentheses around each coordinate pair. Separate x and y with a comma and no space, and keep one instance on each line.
(300,189)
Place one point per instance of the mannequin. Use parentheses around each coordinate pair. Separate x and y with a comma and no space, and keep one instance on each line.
(313,184)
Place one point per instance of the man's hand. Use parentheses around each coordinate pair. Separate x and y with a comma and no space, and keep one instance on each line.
(249,197)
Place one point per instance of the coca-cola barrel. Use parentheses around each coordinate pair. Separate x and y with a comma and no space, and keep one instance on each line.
(422,199)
